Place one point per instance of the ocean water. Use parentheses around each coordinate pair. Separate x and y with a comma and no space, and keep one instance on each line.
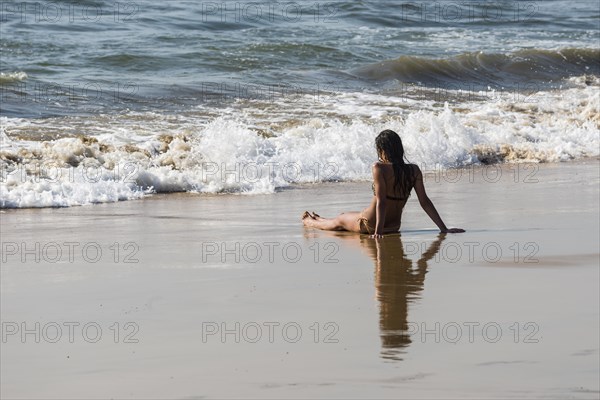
(104,101)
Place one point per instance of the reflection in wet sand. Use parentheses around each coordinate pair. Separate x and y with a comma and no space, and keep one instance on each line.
(397,283)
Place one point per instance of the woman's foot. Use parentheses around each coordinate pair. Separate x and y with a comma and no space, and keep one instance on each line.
(308,219)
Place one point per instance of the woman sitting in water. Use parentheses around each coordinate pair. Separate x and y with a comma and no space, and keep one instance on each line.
(393,181)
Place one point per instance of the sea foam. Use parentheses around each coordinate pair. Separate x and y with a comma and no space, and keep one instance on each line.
(254,147)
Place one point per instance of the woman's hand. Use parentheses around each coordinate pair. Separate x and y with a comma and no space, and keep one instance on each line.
(376,236)
(453,230)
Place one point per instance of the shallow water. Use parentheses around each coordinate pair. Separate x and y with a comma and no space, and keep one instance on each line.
(506,310)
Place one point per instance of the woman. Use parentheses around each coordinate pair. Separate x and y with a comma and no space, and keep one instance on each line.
(393,181)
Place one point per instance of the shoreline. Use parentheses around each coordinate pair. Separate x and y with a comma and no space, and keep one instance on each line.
(487,173)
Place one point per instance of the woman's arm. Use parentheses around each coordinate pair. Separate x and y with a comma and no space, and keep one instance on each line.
(380,197)
(428,206)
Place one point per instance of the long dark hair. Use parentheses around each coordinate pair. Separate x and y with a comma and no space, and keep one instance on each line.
(389,144)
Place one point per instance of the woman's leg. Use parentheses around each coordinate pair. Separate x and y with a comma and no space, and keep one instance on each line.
(344,222)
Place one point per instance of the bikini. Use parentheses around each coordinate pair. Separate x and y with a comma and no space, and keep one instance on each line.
(364,222)
(387,197)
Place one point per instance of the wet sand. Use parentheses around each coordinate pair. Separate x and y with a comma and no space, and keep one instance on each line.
(193,296)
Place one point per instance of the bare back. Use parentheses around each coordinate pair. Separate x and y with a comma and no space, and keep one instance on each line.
(393,198)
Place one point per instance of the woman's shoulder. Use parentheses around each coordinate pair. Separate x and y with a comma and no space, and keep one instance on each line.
(380,165)
(415,168)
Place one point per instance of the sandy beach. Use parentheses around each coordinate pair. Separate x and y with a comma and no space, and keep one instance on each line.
(226,296)
(156,159)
